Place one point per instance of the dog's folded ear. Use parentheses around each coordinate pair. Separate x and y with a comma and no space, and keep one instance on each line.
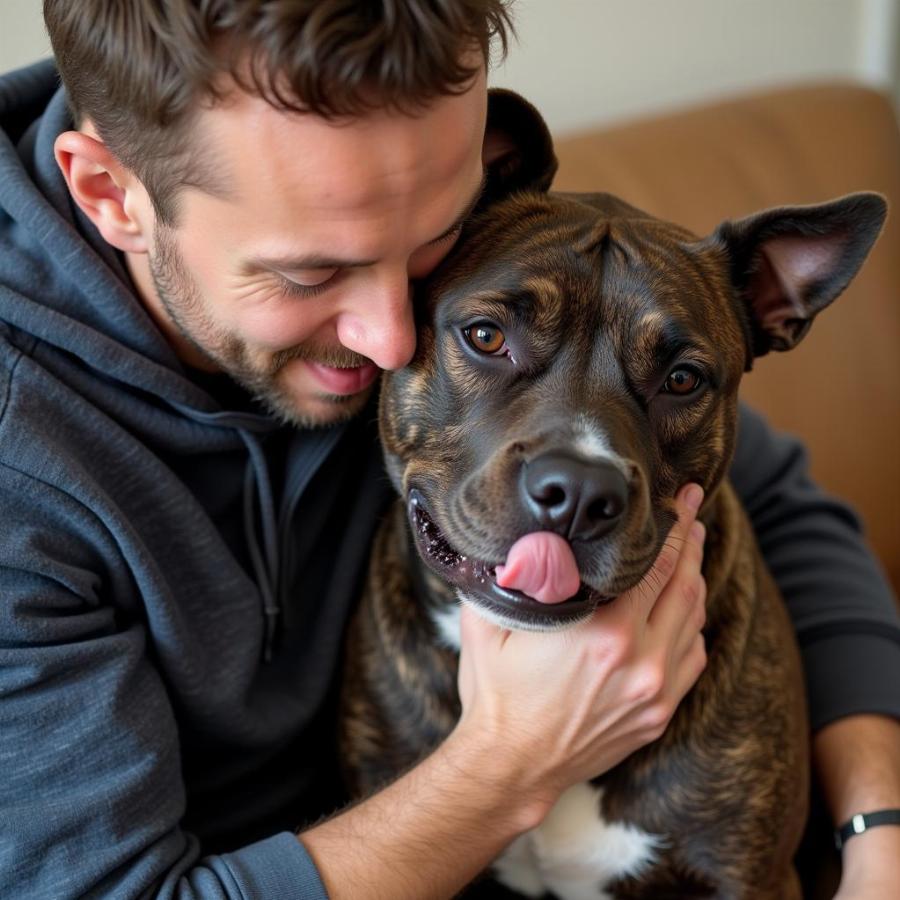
(789,263)
(518,149)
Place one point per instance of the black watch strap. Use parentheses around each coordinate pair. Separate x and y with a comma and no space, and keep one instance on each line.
(863,822)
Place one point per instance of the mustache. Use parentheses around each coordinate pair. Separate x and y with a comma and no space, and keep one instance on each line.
(336,357)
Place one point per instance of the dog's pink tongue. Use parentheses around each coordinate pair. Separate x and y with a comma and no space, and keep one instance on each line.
(541,565)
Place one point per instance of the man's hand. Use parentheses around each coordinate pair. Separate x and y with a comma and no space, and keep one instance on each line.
(572,704)
(540,712)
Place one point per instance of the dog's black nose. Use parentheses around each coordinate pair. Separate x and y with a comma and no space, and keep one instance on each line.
(573,497)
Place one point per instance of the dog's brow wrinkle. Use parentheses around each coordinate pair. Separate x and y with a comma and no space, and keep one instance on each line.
(595,239)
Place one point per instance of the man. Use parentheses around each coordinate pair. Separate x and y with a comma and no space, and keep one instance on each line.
(199,286)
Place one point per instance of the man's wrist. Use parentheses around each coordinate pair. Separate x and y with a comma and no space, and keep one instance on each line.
(872,857)
(504,772)
(856,763)
(431,831)
(860,823)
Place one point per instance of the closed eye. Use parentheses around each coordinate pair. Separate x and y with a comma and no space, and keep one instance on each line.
(448,235)
(309,284)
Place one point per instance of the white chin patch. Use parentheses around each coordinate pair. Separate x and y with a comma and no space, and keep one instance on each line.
(446,621)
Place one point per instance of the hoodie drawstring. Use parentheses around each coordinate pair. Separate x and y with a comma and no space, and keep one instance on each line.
(265,560)
(265,555)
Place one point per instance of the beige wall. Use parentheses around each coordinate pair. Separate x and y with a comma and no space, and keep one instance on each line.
(22,35)
(586,61)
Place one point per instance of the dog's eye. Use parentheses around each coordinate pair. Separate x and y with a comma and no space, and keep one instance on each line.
(485,338)
(682,382)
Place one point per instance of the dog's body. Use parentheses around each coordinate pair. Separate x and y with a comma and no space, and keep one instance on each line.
(718,803)
(577,362)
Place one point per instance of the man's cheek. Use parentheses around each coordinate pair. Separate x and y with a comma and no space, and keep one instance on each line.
(270,330)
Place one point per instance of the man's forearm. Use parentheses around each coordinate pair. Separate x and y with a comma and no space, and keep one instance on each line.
(857,761)
(429,833)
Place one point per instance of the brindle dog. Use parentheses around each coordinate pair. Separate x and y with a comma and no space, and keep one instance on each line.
(578,361)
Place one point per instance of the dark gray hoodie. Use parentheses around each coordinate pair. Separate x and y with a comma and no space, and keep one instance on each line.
(176,570)
(174,577)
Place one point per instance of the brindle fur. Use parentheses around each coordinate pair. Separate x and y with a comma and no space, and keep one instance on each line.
(591,289)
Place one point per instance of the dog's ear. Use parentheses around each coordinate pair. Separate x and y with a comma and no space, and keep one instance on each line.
(789,263)
(518,150)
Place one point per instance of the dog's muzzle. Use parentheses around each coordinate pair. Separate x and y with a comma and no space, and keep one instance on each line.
(476,579)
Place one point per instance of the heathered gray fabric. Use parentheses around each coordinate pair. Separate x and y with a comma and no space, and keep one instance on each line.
(150,529)
(140,726)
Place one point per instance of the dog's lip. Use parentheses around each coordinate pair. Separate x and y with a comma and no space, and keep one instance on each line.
(478,577)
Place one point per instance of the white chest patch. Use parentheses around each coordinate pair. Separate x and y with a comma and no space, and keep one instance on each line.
(575,853)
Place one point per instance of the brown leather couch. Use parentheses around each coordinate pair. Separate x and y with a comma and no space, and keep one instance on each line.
(840,389)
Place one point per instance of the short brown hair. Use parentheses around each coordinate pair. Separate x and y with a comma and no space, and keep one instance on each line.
(136,68)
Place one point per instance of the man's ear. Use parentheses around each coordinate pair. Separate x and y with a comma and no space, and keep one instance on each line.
(518,150)
(789,263)
(103,188)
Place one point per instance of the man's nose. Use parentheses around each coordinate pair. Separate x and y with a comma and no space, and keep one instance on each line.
(378,322)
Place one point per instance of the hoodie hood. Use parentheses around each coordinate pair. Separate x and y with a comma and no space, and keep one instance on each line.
(59,280)
(66,298)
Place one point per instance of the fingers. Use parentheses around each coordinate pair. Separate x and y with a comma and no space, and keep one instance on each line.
(479,640)
(683,599)
(679,615)
(652,585)
(691,668)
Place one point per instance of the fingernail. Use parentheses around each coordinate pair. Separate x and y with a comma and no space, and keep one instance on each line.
(693,496)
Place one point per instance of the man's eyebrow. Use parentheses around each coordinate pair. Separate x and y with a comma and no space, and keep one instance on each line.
(319,261)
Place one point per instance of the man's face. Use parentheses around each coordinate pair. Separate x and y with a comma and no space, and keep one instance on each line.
(296,281)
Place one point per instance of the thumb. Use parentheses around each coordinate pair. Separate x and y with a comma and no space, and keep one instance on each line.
(476,632)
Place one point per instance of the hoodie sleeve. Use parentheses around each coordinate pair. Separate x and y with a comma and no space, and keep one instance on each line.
(838,599)
(91,791)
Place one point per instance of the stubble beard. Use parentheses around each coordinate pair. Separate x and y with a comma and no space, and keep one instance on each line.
(182,302)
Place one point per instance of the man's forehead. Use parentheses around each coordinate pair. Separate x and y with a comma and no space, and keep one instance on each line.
(302,193)
(244,146)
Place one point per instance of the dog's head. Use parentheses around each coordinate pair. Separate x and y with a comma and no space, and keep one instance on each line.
(578,361)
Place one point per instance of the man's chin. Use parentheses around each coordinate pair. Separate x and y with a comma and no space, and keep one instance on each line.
(315,411)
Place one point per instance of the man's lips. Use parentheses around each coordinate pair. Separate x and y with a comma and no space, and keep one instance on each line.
(478,578)
(344,381)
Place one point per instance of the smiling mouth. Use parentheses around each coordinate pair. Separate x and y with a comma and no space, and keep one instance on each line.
(344,380)
(477,581)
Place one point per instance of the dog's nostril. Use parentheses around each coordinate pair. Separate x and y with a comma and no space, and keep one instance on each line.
(550,495)
(605,508)
(573,497)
